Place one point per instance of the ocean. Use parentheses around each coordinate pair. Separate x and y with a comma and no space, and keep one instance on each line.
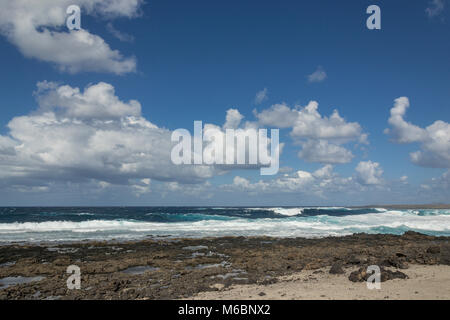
(66,224)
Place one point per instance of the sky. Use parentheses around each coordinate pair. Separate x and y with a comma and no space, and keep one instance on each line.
(87,115)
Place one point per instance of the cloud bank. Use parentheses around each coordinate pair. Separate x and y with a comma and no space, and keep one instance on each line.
(88,135)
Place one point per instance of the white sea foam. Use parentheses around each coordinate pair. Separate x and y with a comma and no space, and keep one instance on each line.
(297,210)
(294,226)
(282,211)
(288,211)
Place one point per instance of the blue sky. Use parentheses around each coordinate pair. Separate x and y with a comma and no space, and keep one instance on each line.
(185,61)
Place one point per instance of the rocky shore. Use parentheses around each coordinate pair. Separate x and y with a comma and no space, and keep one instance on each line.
(182,268)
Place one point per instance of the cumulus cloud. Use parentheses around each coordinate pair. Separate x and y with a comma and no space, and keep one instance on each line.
(261,96)
(96,102)
(321,137)
(434,140)
(317,76)
(37,29)
(369,173)
(321,183)
(89,135)
(311,124)
(278,115)
(241,182)
(324,152)
(435,8)
(233,119)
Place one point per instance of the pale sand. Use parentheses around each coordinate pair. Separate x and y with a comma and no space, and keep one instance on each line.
(425,282)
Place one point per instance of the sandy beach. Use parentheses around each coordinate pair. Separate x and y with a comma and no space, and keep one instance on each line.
(423,283)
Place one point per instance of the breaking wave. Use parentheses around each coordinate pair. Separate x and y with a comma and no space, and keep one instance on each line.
(36,225)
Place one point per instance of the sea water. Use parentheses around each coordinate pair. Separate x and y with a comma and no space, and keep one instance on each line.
(36,224)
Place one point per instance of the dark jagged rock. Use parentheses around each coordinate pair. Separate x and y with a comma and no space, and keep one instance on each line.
(357,276)
(395,262)
(337,269)
(385,275)
(434,250)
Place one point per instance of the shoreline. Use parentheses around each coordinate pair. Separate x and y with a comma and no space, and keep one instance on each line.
(183,268)
(425,282)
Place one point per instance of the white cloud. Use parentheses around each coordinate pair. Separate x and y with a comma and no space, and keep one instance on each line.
(325,172)
(323,152)
(278,115)
(90,135)
(37,29)
(261,96)
(321,183)
(241,182)
(369,173)
(442,183)
(435,8)
(402,131)
(310,124)
(434,139)
(98,101)
(122,36)
(199,190)
(317,76)
(321,137)
(436,189)
(233,119)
